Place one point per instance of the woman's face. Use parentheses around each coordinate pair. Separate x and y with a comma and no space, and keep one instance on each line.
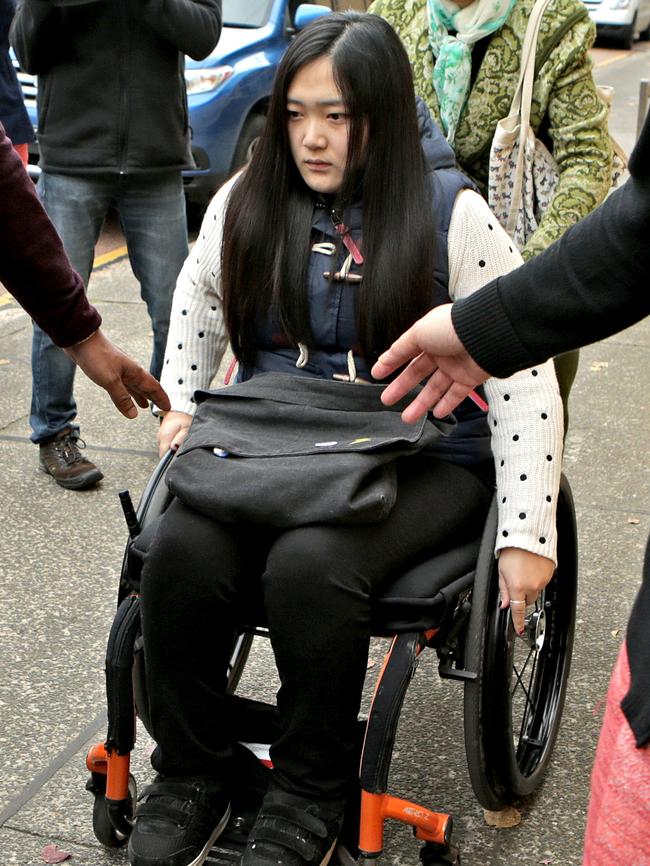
(318,126)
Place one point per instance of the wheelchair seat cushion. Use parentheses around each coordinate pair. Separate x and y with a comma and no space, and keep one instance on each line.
(421,596)
(415,600)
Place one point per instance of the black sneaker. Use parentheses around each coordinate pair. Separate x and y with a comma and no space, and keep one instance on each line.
(177,821)
(292,831)
(61,458)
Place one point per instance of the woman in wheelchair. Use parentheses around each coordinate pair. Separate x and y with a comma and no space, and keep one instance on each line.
(349,222)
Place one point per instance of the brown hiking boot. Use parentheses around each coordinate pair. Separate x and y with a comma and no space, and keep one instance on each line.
(60,457)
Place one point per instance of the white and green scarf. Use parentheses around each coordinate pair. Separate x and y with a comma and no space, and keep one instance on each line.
(453,69)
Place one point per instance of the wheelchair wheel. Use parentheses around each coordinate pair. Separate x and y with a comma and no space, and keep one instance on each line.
(103,827)
(514,706)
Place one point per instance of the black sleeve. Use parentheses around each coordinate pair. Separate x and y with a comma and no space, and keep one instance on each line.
(636,703)
(35,35)
(191,26)
(590,284)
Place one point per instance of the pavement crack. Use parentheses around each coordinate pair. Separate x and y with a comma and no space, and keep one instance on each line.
(52,837)
(41,779)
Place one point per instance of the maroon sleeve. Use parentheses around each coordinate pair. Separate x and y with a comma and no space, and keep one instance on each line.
(33,263)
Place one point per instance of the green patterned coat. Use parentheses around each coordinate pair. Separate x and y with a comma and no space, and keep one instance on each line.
(564,93)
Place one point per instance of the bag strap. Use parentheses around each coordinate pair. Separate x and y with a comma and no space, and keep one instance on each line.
(521,104)
(523,94)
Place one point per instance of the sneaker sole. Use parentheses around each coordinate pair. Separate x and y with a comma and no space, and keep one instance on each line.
(81,482)
(218,830)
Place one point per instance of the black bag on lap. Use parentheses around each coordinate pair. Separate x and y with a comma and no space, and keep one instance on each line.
(286,451)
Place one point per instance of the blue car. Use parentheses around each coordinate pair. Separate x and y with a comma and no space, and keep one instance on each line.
(228,92)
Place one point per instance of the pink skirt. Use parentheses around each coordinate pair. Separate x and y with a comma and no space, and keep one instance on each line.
(618,821)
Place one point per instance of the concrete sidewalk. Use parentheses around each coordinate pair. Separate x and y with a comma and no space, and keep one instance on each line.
(60,554)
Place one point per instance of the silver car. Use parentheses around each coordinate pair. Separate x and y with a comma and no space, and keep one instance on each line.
(621,19)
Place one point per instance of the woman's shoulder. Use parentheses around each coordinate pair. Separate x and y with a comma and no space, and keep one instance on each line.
(470,205)
(220,198)
(403,15)
(478,249)
(559,17)
(472,219)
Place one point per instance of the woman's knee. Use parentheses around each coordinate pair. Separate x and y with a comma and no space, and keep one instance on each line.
(190,556)
(308,566)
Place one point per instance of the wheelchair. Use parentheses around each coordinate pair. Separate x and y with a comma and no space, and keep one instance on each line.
(514,691)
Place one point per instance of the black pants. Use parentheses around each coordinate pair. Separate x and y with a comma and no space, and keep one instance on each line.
(316,584)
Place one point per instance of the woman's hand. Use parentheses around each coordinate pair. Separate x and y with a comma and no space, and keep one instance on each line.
(522,575)
(173,429)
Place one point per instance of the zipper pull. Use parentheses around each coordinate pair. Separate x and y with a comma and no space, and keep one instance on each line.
(343,231)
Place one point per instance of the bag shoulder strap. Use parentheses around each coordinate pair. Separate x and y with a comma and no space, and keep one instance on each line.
(521,107)
(524,91)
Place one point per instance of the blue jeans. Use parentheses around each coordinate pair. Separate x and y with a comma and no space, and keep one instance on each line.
(151,210)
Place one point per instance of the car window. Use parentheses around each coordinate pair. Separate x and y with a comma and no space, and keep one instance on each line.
(358,5)
(335,5)
(250,13)
(342,5)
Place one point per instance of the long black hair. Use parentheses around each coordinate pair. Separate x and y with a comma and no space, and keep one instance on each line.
(266,241)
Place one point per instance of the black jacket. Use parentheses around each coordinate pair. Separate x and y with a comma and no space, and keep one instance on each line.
(590,284)
(111,94)
(13,114)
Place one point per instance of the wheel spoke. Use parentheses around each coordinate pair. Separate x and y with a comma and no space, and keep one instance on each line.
(519,680)
(529,703)
(529,706)
(523,670)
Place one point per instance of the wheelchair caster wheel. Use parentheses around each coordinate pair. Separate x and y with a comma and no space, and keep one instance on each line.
(439,855)
(104,822)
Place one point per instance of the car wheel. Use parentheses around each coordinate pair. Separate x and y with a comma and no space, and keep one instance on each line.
(644,35)
(194,212)
(627,39)
(248,139)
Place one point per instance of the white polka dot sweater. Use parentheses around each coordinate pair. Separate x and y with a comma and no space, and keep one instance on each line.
(525,414)
(197,339)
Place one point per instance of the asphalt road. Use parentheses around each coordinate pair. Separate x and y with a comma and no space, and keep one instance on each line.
(60,554)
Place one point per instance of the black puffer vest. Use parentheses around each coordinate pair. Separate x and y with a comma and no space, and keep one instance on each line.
(333,304)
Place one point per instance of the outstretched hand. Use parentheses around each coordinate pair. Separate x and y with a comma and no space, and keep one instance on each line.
(436,354)
(125,380)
